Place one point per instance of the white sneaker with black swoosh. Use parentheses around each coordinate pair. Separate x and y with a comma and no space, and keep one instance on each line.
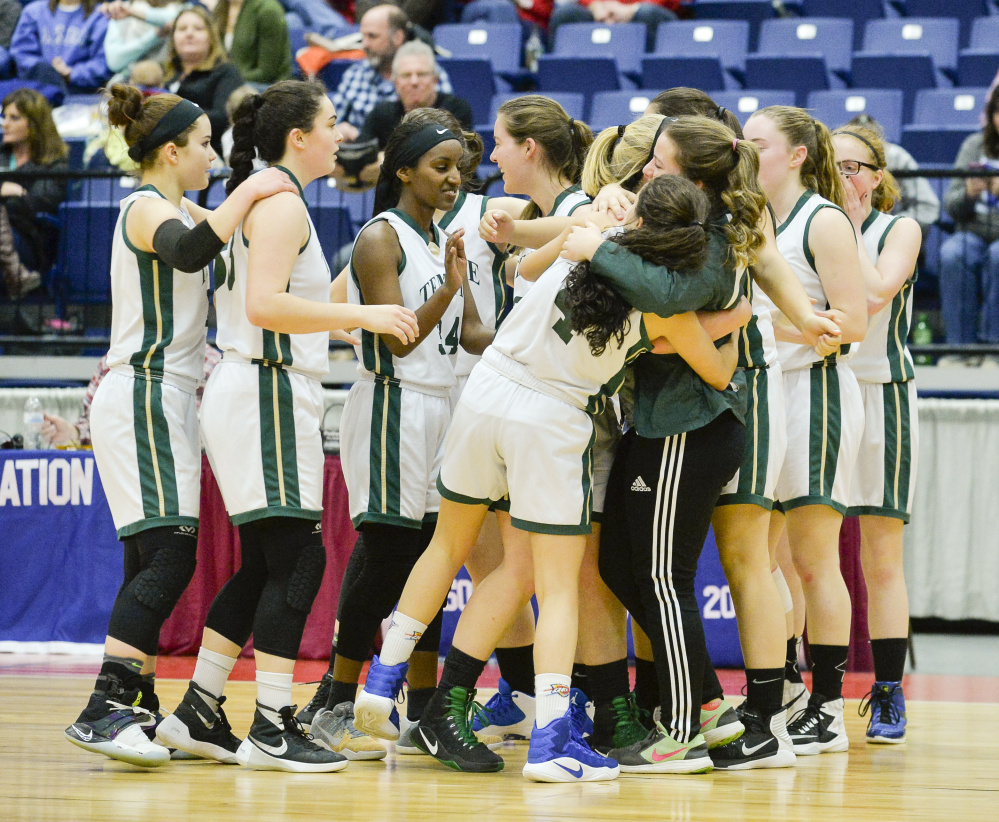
(765,744)
(276,742)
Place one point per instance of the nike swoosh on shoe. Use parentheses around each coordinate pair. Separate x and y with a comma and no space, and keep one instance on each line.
(279,750)
(431,748)
(577,774)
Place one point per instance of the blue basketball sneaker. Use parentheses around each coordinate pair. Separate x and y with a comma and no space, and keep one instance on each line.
(557,754)
(374,709)
(509,714)
(581,711)
(887,706)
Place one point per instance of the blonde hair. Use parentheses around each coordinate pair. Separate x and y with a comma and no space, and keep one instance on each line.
(709,153)
(871,139)
(563,140)
(819,171)
(618,153)
(216,51)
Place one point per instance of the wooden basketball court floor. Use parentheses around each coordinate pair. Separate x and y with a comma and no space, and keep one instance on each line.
(948,770)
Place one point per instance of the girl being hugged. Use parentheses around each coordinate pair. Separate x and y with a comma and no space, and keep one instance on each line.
(884,479)
(399,409)
(144,423)
(261,418)
(825,414)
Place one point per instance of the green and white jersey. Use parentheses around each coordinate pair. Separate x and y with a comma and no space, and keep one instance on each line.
(536,347)
(565,205)
(486,276)
(429,366)
(757,344)
(882,356)
(310,279)
(158,315)
(792,242)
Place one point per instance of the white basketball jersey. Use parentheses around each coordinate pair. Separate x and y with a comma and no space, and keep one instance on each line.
(158,315)
(882,356)
(792,242)
(537,347)
(565,204)
(431,364)
(310,279)
(486,276)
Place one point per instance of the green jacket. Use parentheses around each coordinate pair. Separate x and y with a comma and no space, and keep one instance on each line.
(260,46)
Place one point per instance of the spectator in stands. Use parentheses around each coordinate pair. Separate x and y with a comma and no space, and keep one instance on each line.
(425,13)
(368,82)
(328,19)
(649,12)
(414,74)
(31,144)
(969,258)
(137,30)
(255,34)
(529,13)
(10,13)
(61,42)
(197,68)
(918,200)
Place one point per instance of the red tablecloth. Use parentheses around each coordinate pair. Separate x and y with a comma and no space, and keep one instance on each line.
(219,557)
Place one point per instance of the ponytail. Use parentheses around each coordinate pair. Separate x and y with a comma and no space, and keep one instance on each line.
(618,155)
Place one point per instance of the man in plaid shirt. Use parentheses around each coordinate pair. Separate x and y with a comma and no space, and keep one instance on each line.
(383,29)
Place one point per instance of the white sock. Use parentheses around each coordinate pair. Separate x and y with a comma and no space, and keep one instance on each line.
(211,673)
(273,690)
(552,697)
(400,639)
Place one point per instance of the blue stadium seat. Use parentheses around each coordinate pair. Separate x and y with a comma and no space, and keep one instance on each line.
(965,11)
(829,37)
(799,74)
(334,227)
(978,64)
(860,11)
(935,144)
(586,74)
(706,73)
(917,35)
(332,73)
(745,102)
(752,11)
(501,43)
(615,108)
(951,107)
(727,40)
(907,72)
(836,107)
(624,42)
(472,79)
(77,145)
(83,261)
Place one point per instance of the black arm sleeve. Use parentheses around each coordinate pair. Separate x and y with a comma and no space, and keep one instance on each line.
(186,249)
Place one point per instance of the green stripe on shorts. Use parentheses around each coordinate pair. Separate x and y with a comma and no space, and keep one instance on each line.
(756,456)
(157,478)
(587,512)
(898,447)
(384,474)
(825,429)
(278,450)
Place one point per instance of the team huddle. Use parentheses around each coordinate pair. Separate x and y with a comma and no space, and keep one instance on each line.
(708,330)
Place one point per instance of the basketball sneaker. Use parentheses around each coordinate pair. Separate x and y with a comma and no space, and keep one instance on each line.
(720,725)
(405,746)
(445,732)
(660,753)
(558,754)
(374,708)
(194,727)
(336,730)
(270,746)
(618,724)
(118,735)
(887,706)
(819,728)
(508,713)
(796,697)
(581,710)
(317,703)
(765,744)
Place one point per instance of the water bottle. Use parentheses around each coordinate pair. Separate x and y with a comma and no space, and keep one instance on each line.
(34,417)
(533,49)
(922,334)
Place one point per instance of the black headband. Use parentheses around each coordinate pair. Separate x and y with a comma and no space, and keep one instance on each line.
(662,127)
(176,121)
(421,142)
(866,142)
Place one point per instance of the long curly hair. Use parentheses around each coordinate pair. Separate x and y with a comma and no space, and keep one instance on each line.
(672,234)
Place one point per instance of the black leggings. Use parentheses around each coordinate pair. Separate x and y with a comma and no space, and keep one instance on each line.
(660,498)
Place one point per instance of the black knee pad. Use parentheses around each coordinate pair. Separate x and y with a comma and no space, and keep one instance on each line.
(171,561)
(307,575)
